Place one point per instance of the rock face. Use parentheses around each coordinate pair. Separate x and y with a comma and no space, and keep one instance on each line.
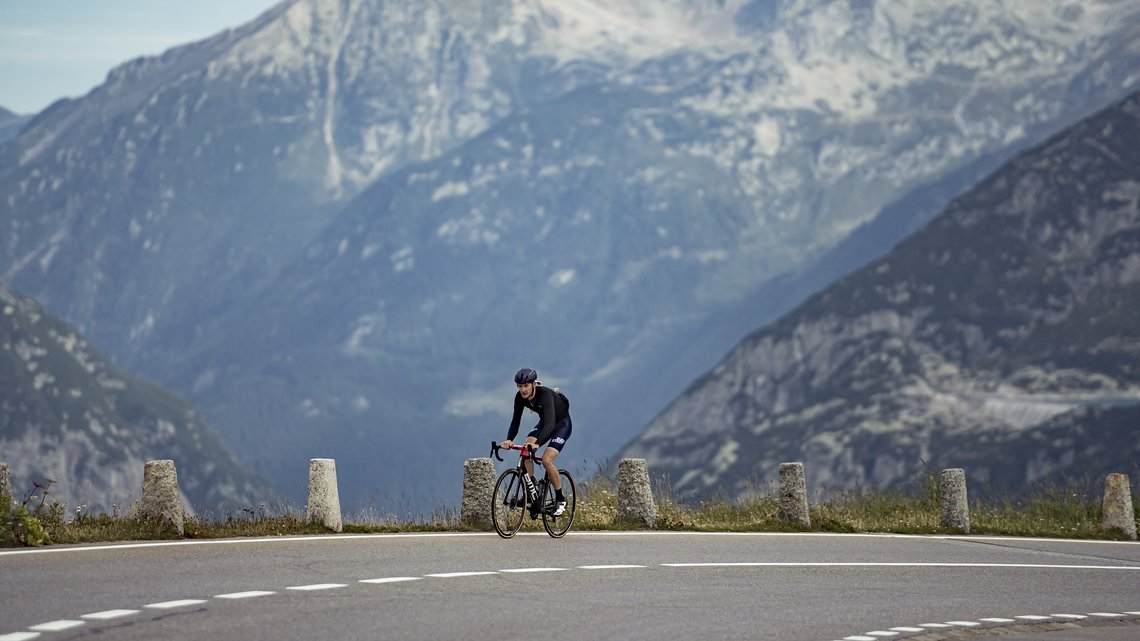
(69,416)
(348,220)
(1002,338)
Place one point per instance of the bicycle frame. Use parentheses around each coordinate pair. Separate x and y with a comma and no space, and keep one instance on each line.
(526,451)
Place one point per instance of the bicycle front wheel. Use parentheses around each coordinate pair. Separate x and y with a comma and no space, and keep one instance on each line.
(558,526)
(508,504)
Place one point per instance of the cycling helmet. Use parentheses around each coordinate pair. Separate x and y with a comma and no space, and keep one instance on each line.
(525,375)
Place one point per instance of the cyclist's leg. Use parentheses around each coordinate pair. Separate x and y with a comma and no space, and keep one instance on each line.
(548,457)
(553,449)
(532,439)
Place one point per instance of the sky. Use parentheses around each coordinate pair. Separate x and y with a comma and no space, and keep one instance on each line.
(52,49)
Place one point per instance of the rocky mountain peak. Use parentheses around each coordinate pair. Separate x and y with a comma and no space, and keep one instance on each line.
(1002,335)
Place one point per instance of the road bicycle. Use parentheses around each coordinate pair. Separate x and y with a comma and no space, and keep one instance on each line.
(517,494)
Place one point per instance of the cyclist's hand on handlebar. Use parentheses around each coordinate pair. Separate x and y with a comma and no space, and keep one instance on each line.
(506,445)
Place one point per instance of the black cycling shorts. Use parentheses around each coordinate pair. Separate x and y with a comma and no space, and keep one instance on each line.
(558,438)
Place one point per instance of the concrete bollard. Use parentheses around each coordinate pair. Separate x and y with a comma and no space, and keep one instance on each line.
(955,509)
(324,497)
(1118,513)
(478,486)
(160,496)
(5,484)
(793,494)
(635,495)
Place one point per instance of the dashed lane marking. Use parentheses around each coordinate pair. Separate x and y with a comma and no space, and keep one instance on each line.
(392,579)
(244,595)
(317,586)
(452,575)
(523,570)
(1023,619)
(182,603)
(19,636)
(107,615)
(609,567)
(56,626)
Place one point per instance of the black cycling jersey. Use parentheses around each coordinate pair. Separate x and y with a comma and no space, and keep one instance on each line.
(550,406)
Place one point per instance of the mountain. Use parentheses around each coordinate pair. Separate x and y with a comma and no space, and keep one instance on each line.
(10,124)
(71,417)
(1002,337)
(345,224)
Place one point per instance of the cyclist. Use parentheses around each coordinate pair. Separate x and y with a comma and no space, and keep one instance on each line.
(554,425)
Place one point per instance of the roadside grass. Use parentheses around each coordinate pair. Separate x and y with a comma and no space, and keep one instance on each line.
(1072,510)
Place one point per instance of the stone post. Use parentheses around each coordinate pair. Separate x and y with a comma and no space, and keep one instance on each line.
(161,498)
(635,495)
(324,497)
(5,484)
(955,510)
(478,486)
(793,506)
(1118,514)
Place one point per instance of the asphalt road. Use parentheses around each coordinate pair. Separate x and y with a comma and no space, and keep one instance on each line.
(789,587)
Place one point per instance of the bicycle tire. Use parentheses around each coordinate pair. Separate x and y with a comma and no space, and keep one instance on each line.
(558,526)
(508,503)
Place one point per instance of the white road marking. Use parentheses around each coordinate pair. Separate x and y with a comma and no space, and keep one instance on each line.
(107,615)
(166,605)
(317,586)
(19,636)
(1069,616)
(965,624)
(1109,615)
(391,579)
(1132,613)
(997,620)
(344,537)
(882,633)
(938,626)
(608,567)
(244,595)
(875,564)
(858,638)
(56,626)
(904,628)
(451,575)
(522,570)
(1031,617)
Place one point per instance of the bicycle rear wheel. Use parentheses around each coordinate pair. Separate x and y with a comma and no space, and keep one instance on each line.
(558,526)
(508,504)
